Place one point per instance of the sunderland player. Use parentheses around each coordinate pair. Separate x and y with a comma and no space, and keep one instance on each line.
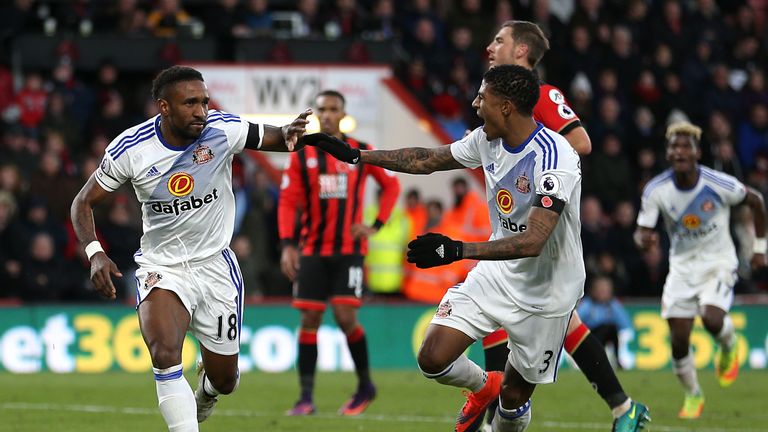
(531,271)
(180,165)
(325,260)
(695,203)
(523,43)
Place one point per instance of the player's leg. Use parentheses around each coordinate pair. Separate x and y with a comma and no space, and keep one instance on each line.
(164,320)
(346,318)
(716,299)
(589,354)
(458,322)
(310,294)
(346,274)
(514,411)
(684,367)
(495,352)
(218,376)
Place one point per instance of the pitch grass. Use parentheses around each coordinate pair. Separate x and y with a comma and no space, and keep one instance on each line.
(406,402)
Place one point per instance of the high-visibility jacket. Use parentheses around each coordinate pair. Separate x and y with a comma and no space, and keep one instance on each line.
(386,251)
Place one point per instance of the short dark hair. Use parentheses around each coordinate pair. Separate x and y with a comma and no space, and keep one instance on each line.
(172,75)
(532,36)
(333,93)
(515,83)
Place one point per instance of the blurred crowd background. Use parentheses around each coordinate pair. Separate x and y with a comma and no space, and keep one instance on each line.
(627,68)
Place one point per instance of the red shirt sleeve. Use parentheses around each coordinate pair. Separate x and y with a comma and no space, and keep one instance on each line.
(292,198)
(390,190)
(552,110)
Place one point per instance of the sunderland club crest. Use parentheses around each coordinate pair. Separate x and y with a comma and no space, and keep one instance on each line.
(523,184)
(152,279)
(202,154)
(444,310)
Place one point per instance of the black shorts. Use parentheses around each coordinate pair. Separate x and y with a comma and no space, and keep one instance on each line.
(321,278)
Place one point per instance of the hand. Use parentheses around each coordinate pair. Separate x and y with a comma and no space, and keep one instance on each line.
(758,261)
(289,262)
(646,240)
(432,250)
(362,230)
(102,270)
(334,146)
(295,130)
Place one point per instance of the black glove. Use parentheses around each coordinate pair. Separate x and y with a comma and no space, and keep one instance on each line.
(336,147)
(431,250)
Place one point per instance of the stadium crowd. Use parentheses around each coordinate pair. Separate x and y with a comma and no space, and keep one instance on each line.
(627,69)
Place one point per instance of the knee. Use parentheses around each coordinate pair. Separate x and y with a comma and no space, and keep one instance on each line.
(680,346)
(430,362)
(225,384)
(713,324)
(345,319)
(311,319)
(164,355)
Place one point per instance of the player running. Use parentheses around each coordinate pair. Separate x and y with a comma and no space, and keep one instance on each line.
(531,271)
(695,203)
(523,43)
(180,165)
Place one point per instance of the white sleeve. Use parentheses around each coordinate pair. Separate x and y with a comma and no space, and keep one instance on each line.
(735,194)
(466,151)
(649,210)
(561,181)
(234,127)
(111,173)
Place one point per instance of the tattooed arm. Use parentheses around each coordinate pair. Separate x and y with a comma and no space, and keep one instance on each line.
(529,243)
(413,160)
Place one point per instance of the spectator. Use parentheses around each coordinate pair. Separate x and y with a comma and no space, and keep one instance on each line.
(11,247)
(31,101)
(44,277)
(607,319)
(311,25)
(257,19)
(382,24)
(121,239)
(417,213)
(166,18)
(753,135)
(610,173)
(345,20)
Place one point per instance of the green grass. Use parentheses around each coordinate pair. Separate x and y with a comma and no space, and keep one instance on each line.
(406,402)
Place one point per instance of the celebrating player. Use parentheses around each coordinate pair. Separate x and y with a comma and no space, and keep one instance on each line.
(329,266)
(180,165)
(523,43)
(531,272)
(695,203)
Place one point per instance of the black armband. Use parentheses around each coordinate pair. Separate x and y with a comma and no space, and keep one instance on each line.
(253,139)
(549,202)
(288,242)
(377,225)
(569,127)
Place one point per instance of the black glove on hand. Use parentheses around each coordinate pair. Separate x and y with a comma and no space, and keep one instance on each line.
(431,250)
(332,145)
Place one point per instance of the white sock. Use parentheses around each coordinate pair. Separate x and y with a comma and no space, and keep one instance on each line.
(514,420)
(175,399)
(686,373)
(461,373)
(619,410)
(727,336)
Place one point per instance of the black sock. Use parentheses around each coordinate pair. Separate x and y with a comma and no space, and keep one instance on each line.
(591,358)
(307,363)
(358,348)
(496,357)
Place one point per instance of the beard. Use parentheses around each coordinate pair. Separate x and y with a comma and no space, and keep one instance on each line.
(186,132)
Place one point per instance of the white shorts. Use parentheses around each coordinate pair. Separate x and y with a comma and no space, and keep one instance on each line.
(535,342)
(211,290)
(684,299)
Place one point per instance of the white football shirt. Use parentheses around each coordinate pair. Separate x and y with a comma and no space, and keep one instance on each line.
(545,164)
(187,203)
(696,219)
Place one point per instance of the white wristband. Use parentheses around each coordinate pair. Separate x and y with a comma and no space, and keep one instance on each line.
(92,248)
(760,245)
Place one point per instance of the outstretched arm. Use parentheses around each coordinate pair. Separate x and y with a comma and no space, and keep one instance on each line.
(82,220)
(279,139)
(413,160)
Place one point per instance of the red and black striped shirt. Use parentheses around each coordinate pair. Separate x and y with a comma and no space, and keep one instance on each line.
(329,196)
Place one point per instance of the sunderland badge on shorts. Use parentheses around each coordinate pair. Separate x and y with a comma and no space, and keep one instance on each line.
(152,279)
(444,310)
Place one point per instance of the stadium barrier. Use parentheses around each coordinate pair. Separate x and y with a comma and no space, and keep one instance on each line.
(94,339)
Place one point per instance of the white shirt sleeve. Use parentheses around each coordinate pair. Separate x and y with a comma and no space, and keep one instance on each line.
(111,174)
(733,195)
(234,127)
(648,215)
(466,151)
